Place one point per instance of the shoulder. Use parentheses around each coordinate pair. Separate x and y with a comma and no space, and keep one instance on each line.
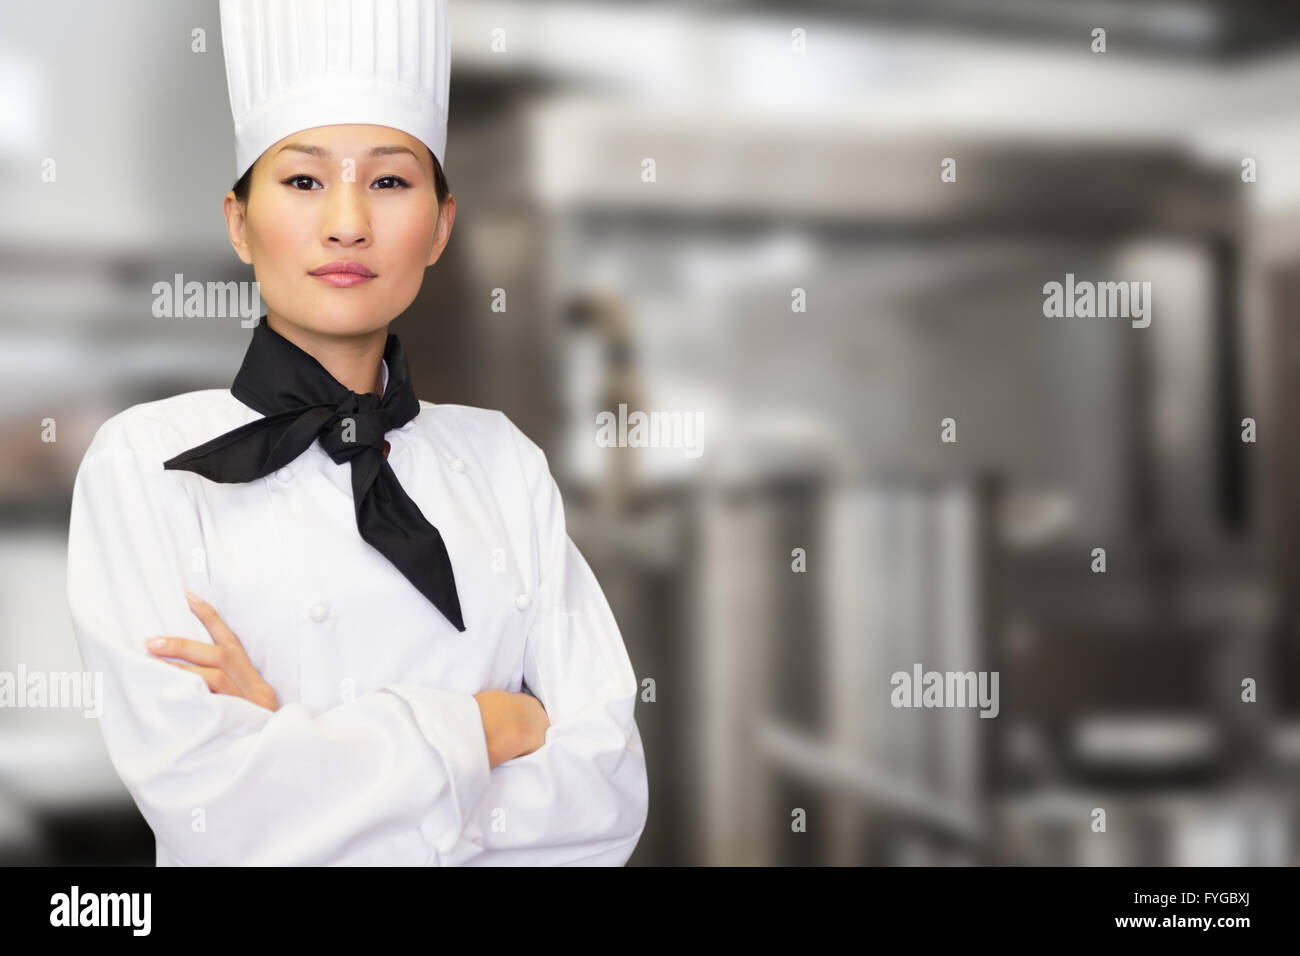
(121,471)
(492,439)
(167,426)
(485,428)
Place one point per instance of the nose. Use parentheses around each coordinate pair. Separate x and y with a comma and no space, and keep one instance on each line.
(346,220)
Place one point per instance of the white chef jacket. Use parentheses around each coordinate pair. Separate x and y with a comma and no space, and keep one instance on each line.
(377,754)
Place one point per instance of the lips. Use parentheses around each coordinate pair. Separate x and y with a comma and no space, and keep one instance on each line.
(342,273)
(345,267)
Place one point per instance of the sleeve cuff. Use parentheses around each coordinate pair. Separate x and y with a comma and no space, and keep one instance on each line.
(453,725)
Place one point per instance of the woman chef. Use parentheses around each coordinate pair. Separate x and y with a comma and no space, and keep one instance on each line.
(396,654)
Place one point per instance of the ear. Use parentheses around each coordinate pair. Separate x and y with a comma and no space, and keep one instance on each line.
(442,232)
(235,220)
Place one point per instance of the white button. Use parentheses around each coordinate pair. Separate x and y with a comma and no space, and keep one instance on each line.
(458,464)
(319,612)
(284,474)
(523,601)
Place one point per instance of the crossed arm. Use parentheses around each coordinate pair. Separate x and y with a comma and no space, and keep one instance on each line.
(514,724)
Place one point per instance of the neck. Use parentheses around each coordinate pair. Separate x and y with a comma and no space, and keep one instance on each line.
(353,360)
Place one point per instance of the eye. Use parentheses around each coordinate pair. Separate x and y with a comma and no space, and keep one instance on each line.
(399,182)
(294,179)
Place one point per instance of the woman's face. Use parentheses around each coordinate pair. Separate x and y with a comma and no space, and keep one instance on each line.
(356,193)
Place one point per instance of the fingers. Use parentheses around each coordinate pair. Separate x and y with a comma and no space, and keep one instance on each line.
(217,680)
(212,621)
(211,660)
(234,660)
(223,665)
(226,656)
(187,650)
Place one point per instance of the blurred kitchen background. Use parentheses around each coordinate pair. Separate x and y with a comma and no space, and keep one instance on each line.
(778,168)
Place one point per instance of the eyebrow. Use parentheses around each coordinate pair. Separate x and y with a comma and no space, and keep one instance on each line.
(323,153)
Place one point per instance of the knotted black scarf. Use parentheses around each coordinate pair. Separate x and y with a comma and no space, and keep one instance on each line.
(301,403)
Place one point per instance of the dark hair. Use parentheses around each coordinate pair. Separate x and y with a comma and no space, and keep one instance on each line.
(240,188)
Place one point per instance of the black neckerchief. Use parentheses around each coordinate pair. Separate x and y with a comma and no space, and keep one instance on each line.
(301,403)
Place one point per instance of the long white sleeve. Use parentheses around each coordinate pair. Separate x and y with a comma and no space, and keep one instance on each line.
(385,779)
(583,796)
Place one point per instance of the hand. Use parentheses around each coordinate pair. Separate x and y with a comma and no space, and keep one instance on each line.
(224,666)
(514,724)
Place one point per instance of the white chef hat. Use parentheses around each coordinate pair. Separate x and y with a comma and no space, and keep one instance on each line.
(295,64)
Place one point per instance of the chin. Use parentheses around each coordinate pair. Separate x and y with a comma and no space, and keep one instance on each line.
(335,316)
